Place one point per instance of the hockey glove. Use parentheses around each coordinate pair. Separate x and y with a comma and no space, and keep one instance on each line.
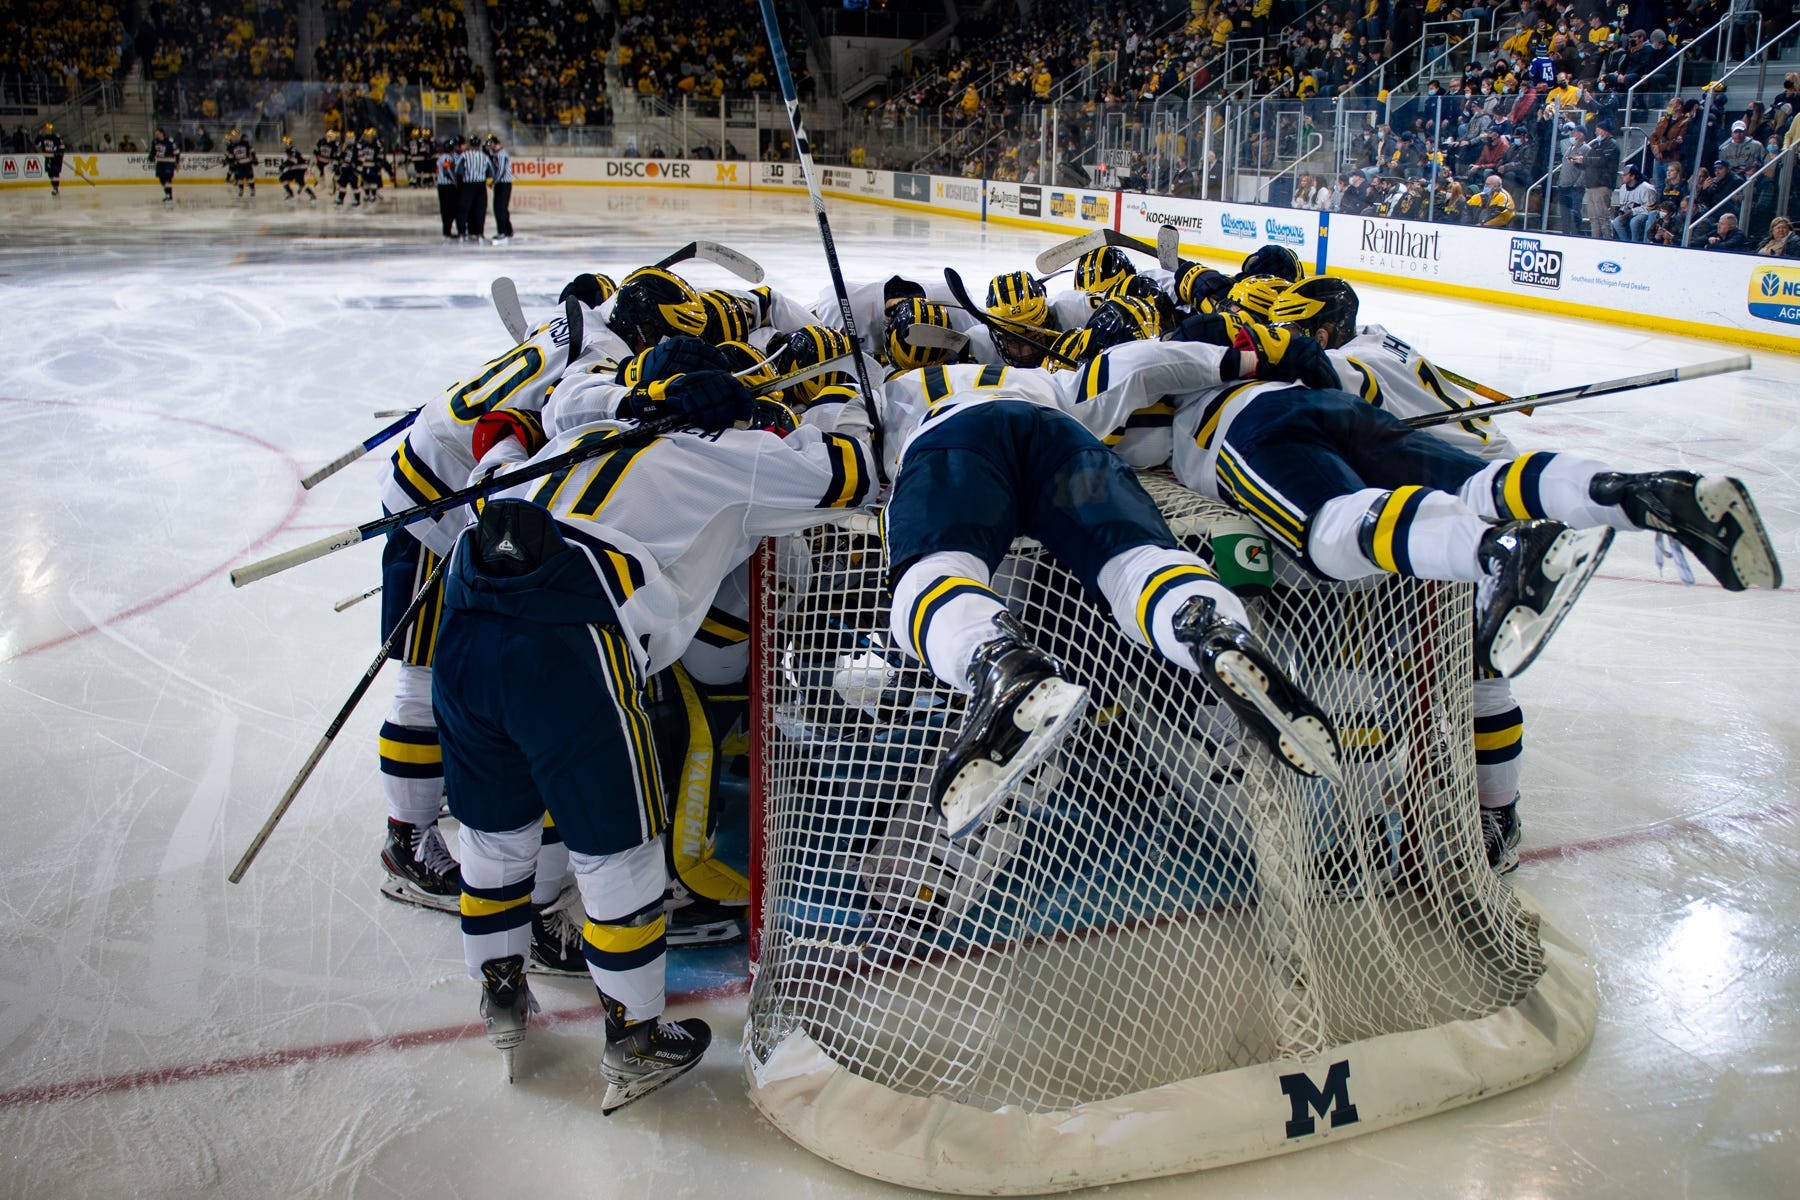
(705,400)
(495,427)
(1284,357)
(587,288)
(1199,287)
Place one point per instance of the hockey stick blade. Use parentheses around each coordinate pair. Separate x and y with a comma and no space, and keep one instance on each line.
(741,265)
(1717,366)
(936,337)
(358,598)
(1168,248)
(644,433)
(505,295)
(1063,253)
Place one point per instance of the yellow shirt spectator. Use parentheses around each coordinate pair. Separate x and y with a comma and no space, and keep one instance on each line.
(971,102)
(1221,32)
(1040,84)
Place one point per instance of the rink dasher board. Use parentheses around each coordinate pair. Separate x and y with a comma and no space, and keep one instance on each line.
(1741,299)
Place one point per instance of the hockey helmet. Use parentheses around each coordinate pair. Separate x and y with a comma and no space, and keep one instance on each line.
(232,136)
(652,304)
(287,139)
(1318,303)
(902,353)
(49,128)
(331,135)
(1273,260)
(1122,320)
(1019,297)
(811,344)
(1097,270)
(1070,350)
(1144,288)
(726,320)
(1255,295)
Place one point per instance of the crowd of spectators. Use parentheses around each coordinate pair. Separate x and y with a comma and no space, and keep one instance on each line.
(51,51)
(385,43)
(709,52)
(551,60)
(214,59)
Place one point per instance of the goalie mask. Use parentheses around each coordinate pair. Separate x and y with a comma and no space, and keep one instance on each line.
(1319,303)
(1099,269)
(1255,296)
(726,320)
(1274,260)
(652,304)
(902,354)
(812,344)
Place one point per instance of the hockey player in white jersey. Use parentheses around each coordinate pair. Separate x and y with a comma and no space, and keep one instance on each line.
(433,459)
(1351,491)
(990,453)
(566,595)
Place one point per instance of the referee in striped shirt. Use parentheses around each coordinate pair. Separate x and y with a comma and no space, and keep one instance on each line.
(473,169)
(502,161)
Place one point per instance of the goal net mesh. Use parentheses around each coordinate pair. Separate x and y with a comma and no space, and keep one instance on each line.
(1155,903)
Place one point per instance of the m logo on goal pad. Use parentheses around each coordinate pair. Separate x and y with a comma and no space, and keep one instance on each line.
(1308,1098)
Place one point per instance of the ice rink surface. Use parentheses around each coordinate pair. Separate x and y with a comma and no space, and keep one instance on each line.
(168,376)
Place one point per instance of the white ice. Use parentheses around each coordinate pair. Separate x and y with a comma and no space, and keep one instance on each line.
(168,376)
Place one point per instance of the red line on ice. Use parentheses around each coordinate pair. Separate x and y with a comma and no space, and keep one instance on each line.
(179,589)
(83,1089)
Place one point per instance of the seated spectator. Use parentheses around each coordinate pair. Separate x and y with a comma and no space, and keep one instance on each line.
(1728,236)
(1492,205)
(1635,205)
(1741,153)
(1781,243)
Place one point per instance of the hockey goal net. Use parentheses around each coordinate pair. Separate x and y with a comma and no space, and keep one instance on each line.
(1165,953)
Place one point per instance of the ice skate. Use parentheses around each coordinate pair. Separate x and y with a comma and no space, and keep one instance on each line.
(1535,572)
(1714,518)
(1020,711)
(697,921)
(556,941)
(647,1055)
(1500,836)
(420,868)
(506,1006)
(1269,704)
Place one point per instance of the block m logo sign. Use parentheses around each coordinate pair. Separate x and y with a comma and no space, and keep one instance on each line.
(1308,1098)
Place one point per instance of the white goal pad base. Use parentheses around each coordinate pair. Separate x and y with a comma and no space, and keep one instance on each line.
(1252,1112)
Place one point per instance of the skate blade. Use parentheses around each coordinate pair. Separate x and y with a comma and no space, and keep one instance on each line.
(716,933)
(507,1064)
(1570,562)
(406,893)
(1753,561)
(618,1095)
(539,967)
(1306,745)
(1046,715)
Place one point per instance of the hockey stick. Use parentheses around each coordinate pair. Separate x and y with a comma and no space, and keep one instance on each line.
(1168,248)
(1064,253)
(1718,366)
(337,723)
(647,431)
(381,414)
(741,265)
(577,334)
(349,456)
(778,51)
(505,295)
(936,337)
(358,598)
(1000,324)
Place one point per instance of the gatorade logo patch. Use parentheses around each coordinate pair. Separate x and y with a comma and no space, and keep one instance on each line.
(1252,555)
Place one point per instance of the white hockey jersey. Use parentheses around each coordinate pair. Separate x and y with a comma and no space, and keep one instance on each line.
(663,524)
(1392,375)
(436,455)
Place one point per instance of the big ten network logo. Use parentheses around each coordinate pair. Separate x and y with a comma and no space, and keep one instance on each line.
(1775,294)
(1533,265)
(1235,226)
(537,168)
(631,168)
(958,193)
(1031,201)
(1062,204)
(1397,246)
(1096,208)
(1283,232)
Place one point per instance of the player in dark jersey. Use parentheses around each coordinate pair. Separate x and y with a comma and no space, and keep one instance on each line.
(293,172)
(371,161)
(165,156)
(50,144)
(240,162)
(347,174)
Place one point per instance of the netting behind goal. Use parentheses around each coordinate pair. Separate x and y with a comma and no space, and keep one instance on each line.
(1165,952)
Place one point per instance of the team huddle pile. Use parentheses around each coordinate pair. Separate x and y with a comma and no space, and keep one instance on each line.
(569,640)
